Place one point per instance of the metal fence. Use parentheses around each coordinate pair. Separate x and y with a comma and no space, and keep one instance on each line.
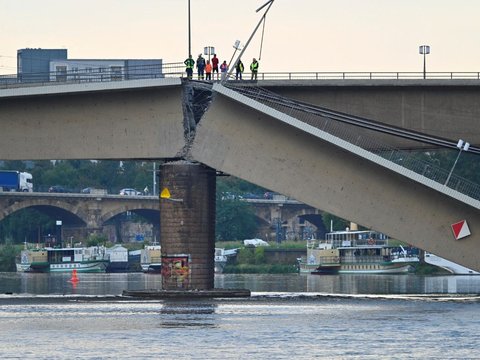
(364,75)
(114,73)
(177,69)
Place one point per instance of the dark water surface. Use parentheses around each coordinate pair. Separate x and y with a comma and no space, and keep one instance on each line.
(287,317)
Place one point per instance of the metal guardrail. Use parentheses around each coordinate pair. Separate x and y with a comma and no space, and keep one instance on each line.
(178,70)
(361,75)
(114,73)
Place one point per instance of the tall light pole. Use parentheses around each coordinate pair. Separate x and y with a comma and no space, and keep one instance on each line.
(154,185)
(58,224)
(189,31)
(424,50)
(462,146)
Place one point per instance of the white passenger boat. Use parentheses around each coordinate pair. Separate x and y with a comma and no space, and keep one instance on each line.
(448,265)
(82,259)
(349,252)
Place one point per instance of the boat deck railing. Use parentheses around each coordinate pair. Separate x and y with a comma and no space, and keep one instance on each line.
(314,244)
(364,259)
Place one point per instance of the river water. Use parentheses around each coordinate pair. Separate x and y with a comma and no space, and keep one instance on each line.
(43,316)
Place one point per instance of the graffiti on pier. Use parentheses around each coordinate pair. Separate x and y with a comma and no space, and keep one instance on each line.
(175,271)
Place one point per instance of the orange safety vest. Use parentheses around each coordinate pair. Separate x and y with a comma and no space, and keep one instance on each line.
(208,68)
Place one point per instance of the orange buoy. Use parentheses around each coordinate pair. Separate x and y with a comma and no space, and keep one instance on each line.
(74,276)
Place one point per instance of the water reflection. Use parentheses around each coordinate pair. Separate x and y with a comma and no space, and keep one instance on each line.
(88,284)
(115,284)
(182,314)
(393,284)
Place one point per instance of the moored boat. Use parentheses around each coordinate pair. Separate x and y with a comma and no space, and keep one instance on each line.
(349,252)
(151,259)
(82,259)
(118,259)
(221,258)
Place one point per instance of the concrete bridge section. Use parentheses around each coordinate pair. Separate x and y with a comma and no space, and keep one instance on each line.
(443,108)
(138,119)
(145,119)
(242,141)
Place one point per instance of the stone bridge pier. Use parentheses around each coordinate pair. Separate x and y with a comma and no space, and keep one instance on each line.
(187,225)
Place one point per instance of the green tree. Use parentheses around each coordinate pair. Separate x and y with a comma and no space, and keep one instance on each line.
(237,186)
(14,165)
(96,239)
(335,222)
(26,224)
(235,220)
(7,258)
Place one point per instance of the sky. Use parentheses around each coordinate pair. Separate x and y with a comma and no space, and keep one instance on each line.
(300,35)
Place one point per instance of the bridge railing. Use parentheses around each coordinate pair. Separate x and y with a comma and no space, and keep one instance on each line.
(177,69)
(365,139)
(362,75)
(90,75)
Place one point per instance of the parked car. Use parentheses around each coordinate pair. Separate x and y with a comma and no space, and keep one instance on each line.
(251,196)
(87,190)
(57,189)
(130,192)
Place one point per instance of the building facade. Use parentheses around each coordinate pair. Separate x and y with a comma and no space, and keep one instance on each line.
(46,65)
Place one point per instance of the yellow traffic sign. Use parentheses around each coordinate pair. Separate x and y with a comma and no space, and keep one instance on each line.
(165,194)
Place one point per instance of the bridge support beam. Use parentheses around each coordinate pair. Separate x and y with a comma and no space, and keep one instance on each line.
(187,226)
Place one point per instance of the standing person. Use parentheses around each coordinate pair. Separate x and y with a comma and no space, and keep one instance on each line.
(215,64)
(239,69)
(200,67)
(254,69)
(189,63)
(224,69)
(208,70)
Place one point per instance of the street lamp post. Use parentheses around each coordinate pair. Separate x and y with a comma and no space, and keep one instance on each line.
(154,187)
(208,50)
(424,50)
(462,146)
(58,224)
(237,47)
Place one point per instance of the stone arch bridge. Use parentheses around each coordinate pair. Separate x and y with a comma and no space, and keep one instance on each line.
(81,214)
(84,214)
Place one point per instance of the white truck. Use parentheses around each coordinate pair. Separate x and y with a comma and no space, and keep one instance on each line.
(11,180)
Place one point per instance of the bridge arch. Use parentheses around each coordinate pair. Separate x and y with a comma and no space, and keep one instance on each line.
(150,213)
(70,214)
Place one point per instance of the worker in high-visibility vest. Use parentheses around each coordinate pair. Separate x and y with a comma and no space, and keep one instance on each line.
(189,63)
(239,69)
(254,69)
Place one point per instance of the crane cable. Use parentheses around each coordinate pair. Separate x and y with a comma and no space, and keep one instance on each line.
(261,41)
